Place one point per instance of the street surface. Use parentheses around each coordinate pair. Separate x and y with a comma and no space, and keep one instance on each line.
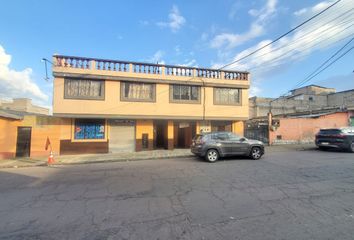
(285,195)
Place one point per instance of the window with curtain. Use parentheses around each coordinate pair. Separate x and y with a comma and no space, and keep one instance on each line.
(184,93)
(137,92)
(89,129)
(84,89)
(227,96)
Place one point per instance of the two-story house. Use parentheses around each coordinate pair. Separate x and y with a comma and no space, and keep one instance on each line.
(113,106)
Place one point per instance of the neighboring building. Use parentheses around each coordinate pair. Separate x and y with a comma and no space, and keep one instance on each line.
(298,127)
(309,92)
(308,98)
(303,128)
(113,106)
(23,105)
(25,134)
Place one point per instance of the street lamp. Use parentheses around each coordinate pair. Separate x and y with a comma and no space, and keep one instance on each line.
(46,68)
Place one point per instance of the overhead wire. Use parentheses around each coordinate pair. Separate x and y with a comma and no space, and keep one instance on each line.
(306,36)
(277,61)
(281,36)
(317,71)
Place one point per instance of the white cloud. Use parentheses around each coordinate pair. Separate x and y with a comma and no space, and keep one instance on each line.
(322,33)
(231,40)
(157,57)
(15,84)
(176,20)
(254,91)
(318,34)
(300,12)
(190,63)
(314,9)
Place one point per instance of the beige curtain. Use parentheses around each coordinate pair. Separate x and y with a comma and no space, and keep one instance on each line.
(84,88)
(139,91)
(227,96)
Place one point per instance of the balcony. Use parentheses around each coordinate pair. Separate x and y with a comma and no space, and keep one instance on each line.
(114,66)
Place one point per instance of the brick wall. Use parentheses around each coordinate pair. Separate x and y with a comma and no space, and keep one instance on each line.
(294,130)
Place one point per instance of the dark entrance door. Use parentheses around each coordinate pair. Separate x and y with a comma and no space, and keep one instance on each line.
(184,133)
(23,146)
(161,134)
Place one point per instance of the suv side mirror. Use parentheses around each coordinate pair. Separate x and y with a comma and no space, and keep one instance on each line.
(243,139)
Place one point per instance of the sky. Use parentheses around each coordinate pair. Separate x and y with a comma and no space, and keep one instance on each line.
(200,33)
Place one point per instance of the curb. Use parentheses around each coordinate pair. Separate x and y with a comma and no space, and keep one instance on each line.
(24,166)
(96,161)
(120,160)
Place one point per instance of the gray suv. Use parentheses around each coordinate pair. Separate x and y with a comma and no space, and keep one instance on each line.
(214,145)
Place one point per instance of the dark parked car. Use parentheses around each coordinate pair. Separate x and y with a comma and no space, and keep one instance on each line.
(214,145)
(341,138)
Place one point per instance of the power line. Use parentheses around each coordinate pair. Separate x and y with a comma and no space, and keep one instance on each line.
(342,55)
(324,63)
(281,36)
(280,58)
(314,74)
(306,35)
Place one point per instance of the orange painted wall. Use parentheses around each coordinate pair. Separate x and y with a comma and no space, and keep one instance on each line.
(305,129)
(144,127)
(42,127)
(8,137)
(238,128)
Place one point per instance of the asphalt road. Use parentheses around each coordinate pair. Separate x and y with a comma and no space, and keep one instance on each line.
(285,195)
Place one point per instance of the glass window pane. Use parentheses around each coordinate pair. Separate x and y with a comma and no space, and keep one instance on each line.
(89,129)
(227,96)
(195,93)
(176,92)
(138,91)
(84,88)
(185,92)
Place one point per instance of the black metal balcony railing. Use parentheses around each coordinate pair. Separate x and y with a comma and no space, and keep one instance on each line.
(145,68)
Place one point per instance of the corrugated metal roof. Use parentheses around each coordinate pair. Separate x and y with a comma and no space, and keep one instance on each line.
(313,115)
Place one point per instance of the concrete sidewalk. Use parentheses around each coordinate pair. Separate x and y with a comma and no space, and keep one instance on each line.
(119,157)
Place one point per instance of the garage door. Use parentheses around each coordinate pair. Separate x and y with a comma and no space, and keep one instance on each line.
(121,136)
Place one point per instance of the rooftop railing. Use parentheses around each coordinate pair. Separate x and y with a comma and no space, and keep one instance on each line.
(145,68)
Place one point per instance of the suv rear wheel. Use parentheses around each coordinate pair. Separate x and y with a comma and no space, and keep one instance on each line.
(351,149)
(212,155)
(256,153)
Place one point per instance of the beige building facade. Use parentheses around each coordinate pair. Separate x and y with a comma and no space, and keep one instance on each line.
(113,106)
(23,105)
(308,98)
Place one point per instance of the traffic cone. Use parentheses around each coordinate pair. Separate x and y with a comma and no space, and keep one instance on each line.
(50,158)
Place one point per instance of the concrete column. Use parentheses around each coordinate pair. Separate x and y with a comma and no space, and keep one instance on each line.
(222,75)
(93,64)
(144,128)
(238,128)
(170,135)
